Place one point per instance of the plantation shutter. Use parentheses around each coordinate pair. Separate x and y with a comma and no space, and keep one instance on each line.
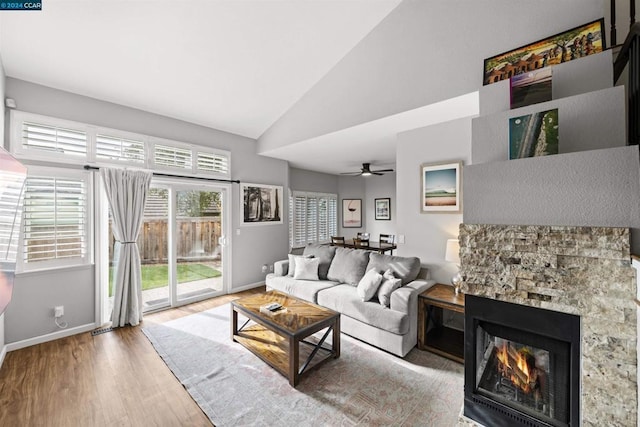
(119,149)
(43,137)
(313,218)
(10,214)
(175,157)
(54,223)
(212,162)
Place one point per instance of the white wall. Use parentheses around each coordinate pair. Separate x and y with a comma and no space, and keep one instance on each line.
(426,234)
(2,111)
(304,180)
(380,187)
(29,316)
(407,61)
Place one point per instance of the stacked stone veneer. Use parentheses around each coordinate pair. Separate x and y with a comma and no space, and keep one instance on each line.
(579,270)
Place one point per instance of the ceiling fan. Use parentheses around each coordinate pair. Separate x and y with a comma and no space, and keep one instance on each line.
(366,171)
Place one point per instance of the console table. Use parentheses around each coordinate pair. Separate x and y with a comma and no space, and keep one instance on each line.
(433,335)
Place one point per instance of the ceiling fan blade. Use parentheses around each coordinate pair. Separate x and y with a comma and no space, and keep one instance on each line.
(376,173)
(383,170)
(351,173)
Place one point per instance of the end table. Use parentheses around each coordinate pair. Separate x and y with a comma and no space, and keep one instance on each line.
(433,335)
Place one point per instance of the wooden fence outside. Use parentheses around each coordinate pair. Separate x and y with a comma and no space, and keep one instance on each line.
(197,240)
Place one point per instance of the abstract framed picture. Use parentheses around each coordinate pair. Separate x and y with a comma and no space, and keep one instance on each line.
(351,213)
(261,204)
(440,189)
(533,135)
(585,40)
(383,209)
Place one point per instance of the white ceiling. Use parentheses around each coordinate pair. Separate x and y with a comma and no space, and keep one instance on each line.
(233,65)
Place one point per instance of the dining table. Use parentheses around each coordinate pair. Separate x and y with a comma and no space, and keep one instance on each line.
(380,247)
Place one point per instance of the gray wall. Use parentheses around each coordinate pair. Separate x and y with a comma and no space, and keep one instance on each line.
(590,188)
(253,247)
(304,180)
(351,187)
(378,187)
(407,62)
(426,234)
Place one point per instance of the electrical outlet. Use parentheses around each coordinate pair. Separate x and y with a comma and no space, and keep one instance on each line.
(265,268)
(58,311)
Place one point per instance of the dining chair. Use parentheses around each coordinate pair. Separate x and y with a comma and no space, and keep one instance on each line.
(362,236)
(387,238)
(337,240)
(361,243)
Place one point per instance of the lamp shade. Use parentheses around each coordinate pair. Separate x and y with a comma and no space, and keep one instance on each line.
(452,254)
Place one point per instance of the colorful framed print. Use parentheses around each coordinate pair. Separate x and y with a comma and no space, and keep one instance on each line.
(383,209)
(585,40)
(531,88)
(351,213)
(261,204)
(533,135)
(440,189)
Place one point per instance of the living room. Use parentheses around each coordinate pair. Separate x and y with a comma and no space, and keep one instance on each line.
(412,83)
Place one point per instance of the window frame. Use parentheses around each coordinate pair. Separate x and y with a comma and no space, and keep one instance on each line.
(294,224)
(63,173)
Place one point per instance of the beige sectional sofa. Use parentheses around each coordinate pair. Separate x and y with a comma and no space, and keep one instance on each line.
(339,270)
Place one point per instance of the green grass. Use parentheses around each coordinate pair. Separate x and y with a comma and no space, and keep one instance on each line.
(156,276)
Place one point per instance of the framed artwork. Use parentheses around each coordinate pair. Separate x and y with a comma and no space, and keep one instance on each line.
(351,213)
(533,135)
(575,43)
(531,88)
(383,209)
(261,204)
(440,189)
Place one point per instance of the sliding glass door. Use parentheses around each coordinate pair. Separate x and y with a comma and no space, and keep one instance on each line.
(182,245)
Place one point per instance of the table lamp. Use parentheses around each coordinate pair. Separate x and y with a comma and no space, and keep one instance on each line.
(452,254)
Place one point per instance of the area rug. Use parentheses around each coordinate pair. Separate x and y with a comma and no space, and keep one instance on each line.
(365,386)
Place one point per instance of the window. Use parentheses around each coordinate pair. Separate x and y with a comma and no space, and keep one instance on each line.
(55,219)
(119,149)
(313,218)
(42,138)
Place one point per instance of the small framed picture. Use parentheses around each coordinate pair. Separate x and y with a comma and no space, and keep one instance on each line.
(351,213)
(261,204)
(440,190)
(383,209)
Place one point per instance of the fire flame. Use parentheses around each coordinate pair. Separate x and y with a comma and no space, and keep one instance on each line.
(520,374)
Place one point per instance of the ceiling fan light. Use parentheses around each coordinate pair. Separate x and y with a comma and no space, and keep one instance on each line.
(366,173)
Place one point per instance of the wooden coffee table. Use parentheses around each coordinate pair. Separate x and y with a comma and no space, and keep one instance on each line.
(275,337)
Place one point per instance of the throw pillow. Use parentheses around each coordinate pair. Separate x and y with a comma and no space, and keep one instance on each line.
(389,284)
(348,266)
(405,268)
(292,263)
(324,253)
(368,285)
(306,268)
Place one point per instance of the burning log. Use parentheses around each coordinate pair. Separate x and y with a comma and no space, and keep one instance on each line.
(519,366)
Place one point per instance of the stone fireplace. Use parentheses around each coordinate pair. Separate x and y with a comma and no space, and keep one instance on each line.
(551,326)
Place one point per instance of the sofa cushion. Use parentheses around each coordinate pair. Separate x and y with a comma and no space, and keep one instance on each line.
(306,269)
(292,263)
(368,285)
(348,266)
(303,289)
(324,253)
(404,268)
(389,284)
(344,299)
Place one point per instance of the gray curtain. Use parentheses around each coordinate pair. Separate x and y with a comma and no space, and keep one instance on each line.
(127,192)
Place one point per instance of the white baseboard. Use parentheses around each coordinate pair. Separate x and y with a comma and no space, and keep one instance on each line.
(3,353)
(246,287)
(50,337)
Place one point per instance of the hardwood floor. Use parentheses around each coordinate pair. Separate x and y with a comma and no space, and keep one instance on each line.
(111,379)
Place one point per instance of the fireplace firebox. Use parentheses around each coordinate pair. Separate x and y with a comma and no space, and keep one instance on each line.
(522,365)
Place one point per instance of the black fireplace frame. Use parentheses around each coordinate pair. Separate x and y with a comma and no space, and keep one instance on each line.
(553,324)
